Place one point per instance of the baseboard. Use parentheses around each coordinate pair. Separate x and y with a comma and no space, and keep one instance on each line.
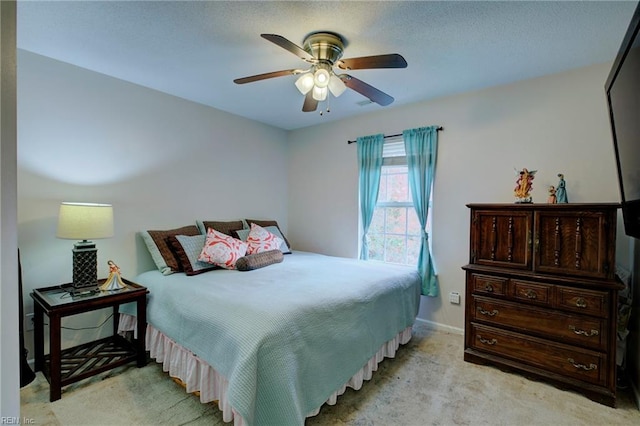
(441,327)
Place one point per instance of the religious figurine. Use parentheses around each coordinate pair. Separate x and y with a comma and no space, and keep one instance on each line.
(561,191)
(113,282)
(552,195)
(524,185)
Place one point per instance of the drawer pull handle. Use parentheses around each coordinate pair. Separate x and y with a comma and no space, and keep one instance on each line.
(581,303)
(487,341)
(582,366)
(491,314)
(583,332)
(531,294)
(488,288)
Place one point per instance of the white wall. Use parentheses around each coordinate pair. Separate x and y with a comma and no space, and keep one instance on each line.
(555,124)
(162,161)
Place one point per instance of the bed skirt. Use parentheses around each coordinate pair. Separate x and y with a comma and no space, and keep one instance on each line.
(198,376)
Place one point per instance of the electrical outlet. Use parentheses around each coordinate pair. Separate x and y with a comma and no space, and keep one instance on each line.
(454,297)
(28,322)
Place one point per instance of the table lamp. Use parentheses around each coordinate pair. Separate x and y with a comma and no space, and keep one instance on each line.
(85,221)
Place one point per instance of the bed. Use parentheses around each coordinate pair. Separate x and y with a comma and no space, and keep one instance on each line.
(272,345)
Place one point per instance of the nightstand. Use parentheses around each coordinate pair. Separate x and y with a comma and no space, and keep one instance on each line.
(63,367)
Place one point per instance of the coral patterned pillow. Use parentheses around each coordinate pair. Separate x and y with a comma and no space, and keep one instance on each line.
(222,250)
(259,240)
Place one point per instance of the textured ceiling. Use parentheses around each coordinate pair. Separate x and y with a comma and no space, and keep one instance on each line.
(194,50)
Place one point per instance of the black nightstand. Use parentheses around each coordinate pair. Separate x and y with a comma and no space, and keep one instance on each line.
(63,367)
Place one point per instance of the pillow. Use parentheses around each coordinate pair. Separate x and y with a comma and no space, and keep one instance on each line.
(158,245)
(222,250)
(243,234)
(259,260)
(226,227)
(259,239)
(265,223)
(187,249)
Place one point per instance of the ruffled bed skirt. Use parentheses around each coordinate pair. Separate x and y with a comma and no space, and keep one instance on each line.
(198,376)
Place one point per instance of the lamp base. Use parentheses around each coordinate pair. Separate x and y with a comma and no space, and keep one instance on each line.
(85,264)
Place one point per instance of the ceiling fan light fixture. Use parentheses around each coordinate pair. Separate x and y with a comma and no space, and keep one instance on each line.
(336,85)
(321,78)
(305,83)
(319,93)
(322,52)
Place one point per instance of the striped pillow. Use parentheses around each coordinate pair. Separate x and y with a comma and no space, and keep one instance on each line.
(157,243)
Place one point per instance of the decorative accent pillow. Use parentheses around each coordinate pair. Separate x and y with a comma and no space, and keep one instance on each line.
(259,240)
(187,250)
(243,234)
(265,223)
(226,227)
(259,260)
(158,245)
(222,250)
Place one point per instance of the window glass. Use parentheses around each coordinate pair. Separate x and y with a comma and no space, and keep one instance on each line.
(394,233)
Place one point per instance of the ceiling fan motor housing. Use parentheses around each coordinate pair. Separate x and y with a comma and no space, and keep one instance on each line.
(326,47)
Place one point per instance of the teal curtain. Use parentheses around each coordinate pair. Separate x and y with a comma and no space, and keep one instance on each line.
(369,171)
(421,145)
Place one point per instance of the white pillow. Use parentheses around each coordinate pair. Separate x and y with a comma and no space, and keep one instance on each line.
(259,240)
(222,250)
(243,234)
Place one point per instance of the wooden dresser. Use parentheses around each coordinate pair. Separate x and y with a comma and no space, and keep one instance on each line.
(541,295)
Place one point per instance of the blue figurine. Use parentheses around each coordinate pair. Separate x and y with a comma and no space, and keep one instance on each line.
(561,191)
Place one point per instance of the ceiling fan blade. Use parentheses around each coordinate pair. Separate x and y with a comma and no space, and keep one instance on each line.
(290,46)
(266,75)
(375,95)
(310,104)
(392,60)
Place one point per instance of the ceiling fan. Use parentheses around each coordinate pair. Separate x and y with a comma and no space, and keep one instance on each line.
(323,50)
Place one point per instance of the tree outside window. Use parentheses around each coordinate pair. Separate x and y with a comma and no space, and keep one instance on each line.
(394,234)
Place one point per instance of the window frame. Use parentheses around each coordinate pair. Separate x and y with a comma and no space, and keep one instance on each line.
(394,155)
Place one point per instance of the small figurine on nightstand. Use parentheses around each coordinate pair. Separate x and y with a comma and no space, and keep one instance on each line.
(552,195)
(524,185)
(561,191)
(113,282)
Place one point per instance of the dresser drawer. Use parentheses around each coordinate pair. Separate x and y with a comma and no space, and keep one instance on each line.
(489,285)
(570,328)
(584,365)
(589,302)
(532,292)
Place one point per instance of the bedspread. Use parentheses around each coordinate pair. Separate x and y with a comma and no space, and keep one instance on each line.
(288,335)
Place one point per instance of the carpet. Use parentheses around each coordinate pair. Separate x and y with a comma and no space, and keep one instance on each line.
(427,383)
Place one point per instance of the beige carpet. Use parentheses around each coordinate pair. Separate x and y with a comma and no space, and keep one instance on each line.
(428,383)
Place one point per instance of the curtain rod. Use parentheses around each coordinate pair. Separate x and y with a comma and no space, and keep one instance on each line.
(395,136)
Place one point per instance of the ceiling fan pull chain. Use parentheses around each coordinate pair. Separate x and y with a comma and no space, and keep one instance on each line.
(327,101)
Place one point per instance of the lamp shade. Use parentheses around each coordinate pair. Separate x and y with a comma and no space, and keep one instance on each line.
(336,85)
(319,93)
(305,83)
(321,78)
(84,221)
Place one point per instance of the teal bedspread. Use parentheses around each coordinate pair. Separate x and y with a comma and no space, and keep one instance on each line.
(288,335)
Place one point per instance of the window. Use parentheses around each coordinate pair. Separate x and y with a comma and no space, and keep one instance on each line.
(394,234)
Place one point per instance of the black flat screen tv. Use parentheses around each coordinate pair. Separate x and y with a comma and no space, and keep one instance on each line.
(623,97)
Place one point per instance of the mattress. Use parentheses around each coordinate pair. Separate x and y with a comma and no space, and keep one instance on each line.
(287,336)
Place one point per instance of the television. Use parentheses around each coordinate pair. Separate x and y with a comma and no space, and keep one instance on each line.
(623,97)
